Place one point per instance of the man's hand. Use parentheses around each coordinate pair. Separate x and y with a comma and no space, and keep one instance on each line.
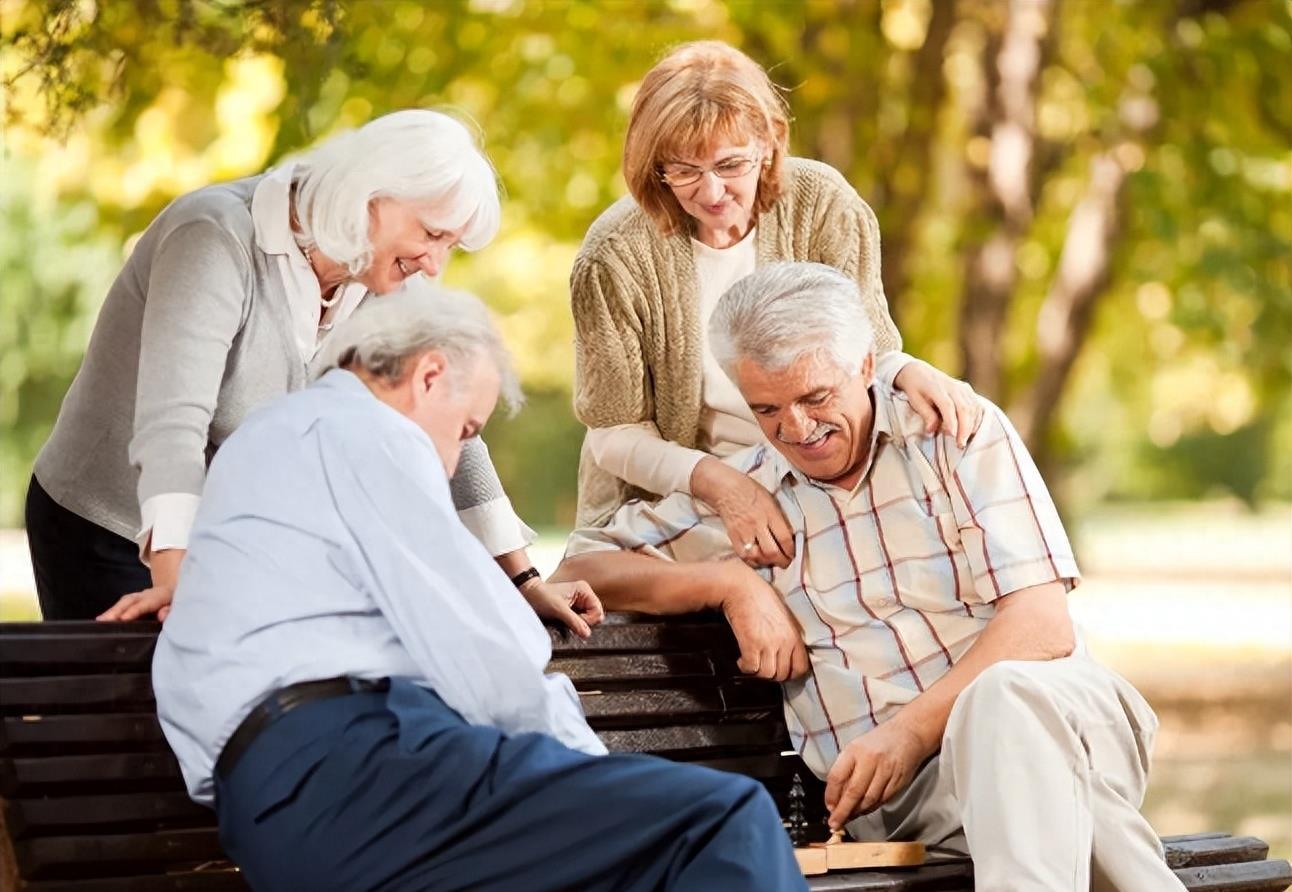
(871,770)
(157,599)
(771,642)
(572,603)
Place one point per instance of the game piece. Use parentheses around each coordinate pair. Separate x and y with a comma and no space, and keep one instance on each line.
(797,823)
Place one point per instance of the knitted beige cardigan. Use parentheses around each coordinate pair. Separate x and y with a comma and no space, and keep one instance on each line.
(636,311)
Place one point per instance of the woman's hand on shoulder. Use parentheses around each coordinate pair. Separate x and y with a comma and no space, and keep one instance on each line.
(760,535)
(944,403)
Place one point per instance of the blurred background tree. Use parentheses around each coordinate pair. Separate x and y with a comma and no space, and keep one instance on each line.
(1085,205)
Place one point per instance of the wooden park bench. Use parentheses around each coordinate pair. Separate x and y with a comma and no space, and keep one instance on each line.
(91,799)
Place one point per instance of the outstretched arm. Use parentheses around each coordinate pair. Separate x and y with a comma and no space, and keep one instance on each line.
(771,642)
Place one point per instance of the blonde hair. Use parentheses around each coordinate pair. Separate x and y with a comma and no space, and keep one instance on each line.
(699,93)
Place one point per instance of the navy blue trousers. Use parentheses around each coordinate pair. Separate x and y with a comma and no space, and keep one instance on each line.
(394,791)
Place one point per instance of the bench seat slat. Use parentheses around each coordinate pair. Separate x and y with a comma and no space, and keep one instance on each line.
(55,815)
(648,637)
(707,741)
(55,654)
(614,670)
(760,766)
(66,857)
(59,694)
(1222,850)
(88,774)
(79,627)
(224,880)
(659,705)
(47,734)
(1252,876)
(956,876)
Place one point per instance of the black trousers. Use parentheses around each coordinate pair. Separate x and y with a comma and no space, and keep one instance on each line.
(81,569)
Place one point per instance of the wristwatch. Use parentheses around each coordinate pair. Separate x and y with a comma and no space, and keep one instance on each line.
(524,576)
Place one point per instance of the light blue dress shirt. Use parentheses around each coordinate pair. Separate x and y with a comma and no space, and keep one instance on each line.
(327,544)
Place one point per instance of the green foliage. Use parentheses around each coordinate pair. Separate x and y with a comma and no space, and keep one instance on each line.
(1181,380)
(55,266)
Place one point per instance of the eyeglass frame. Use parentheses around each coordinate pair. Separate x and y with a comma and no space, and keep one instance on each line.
(752,163)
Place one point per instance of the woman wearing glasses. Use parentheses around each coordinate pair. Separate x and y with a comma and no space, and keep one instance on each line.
(713,194)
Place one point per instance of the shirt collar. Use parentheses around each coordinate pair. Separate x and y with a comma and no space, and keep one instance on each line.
(881,431)
(271,211)
(348,383)
(343,379)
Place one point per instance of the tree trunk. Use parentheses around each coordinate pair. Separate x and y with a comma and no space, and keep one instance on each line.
(908,178)
(1005,187)
(1065,315)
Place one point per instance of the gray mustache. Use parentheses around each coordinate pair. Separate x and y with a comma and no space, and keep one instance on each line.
(820,431)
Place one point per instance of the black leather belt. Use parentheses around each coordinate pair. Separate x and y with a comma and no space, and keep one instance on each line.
(283,701)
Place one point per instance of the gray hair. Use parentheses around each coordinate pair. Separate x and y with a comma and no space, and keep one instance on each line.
(783,310)
(387,331)
(416,155)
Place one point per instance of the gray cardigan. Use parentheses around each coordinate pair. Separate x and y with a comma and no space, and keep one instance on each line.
(194,334)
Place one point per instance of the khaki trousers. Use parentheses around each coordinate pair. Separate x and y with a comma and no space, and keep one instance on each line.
(1041,774)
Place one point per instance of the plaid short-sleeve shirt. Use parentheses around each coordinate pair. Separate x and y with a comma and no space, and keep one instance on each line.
(892,580)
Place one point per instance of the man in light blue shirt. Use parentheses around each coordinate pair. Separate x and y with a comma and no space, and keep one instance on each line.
(358,689)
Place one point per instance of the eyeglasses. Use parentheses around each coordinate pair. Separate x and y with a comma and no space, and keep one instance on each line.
(686,175)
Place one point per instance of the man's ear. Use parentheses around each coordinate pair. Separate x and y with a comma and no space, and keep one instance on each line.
(429,371)
(868,368)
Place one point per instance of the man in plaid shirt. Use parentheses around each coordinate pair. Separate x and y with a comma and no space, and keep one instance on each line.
(916,613)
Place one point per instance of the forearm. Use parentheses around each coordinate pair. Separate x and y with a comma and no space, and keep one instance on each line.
(638,455)
(512,562)
(627,581)
(165,565)
(1036,627)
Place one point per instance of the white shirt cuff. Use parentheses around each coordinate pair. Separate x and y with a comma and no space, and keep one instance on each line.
(497,527)
(167,519)
(890,365)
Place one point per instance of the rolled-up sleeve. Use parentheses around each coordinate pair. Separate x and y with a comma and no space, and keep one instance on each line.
(1008,524)
(482,505)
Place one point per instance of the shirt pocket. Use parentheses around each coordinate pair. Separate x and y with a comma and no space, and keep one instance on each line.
(931,571)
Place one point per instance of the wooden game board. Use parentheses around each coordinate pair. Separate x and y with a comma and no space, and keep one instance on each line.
(822,857)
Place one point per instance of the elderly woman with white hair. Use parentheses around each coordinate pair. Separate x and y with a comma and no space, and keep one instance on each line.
(222,306)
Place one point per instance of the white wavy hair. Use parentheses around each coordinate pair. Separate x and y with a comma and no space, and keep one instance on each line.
(386,332)
(783,310)
(416,155)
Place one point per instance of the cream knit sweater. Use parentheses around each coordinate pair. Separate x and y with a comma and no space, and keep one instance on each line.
(636,310)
